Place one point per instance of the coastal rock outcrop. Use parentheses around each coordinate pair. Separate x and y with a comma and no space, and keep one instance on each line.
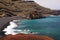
(26,37)
(23,8)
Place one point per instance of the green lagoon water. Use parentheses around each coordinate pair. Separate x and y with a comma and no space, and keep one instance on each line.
(49,26)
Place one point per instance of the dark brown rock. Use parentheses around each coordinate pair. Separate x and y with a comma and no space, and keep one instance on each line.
(21,8)
(26,37)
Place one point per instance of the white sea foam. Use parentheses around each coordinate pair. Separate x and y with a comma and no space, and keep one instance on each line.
(10,29)
(16,20)
(52,15)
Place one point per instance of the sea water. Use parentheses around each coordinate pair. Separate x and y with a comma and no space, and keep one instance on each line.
(49,26)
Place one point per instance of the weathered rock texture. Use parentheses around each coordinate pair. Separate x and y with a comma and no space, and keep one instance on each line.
(25,37)
(9,8)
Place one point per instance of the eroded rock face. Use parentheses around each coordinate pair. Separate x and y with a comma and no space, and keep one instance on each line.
(9,8)
(26,37)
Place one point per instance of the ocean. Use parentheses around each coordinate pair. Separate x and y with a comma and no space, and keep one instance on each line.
(49,26)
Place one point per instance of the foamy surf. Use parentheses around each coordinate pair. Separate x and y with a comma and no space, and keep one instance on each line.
(52,15)
(22,31)
(10,29)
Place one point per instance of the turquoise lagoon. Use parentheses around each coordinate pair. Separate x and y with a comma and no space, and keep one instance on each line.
(49,26)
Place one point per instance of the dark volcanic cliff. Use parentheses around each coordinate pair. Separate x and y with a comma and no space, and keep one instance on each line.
(9,8)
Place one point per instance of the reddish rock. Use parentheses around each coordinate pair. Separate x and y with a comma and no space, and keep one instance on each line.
(26,37)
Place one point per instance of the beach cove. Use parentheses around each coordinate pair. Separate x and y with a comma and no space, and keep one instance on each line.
(48,26)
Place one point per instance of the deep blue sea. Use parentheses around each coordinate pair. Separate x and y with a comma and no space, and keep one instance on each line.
(49,26)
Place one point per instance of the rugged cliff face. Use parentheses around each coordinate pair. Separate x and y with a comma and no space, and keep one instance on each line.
(9,8)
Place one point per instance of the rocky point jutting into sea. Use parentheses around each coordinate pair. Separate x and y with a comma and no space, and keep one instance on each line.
(25,37)
(20,9)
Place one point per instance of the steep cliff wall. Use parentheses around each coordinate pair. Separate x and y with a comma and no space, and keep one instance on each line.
(9,8)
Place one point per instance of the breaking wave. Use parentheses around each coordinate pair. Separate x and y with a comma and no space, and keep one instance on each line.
(10,29)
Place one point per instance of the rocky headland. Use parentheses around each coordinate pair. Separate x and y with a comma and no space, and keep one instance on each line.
(25,37)
(28,9)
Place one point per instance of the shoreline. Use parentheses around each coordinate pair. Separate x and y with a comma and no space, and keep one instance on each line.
(4,25)
(4,22)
